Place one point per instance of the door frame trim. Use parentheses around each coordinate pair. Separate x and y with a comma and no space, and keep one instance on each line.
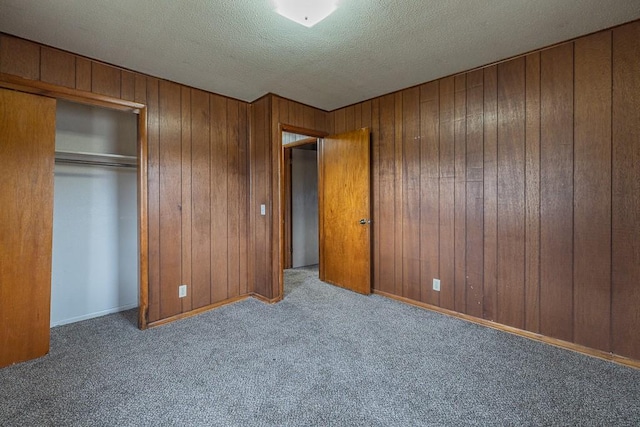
(20,84)
(311,133)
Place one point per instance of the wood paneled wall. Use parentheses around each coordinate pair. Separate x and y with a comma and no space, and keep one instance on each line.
(267,114)
(518,186)
(198,174)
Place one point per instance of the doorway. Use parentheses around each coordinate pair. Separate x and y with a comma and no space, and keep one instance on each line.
(344,211)
(95,263)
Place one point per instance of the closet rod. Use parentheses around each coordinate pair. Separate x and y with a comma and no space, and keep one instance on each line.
(96,163)
(96,159)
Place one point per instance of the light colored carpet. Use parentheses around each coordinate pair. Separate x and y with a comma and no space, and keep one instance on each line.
(323,356)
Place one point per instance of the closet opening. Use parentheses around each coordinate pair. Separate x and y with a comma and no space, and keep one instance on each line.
(96,243)
(301,215)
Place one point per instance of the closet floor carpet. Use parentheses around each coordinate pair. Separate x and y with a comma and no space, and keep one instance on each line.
(323,356)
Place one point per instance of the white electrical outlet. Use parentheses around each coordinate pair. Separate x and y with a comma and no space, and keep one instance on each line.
(436,285)
(263,210)
(182,291)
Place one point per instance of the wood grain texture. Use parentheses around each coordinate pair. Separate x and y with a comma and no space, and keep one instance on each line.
(411,193)
(27,126)
(511,187)
(233,199)
(532,194)
(259,157)
(219,201)
(447,192)
(429,191)
(555,182)
(140,96)
(153,173)
(460,193)
(386,214)
(185,204)
(592,192)
(556,192)
(490,275)
(105,79)
(58,67)
(243,202)
(398,216)
(83,74)
(344,160)
(625,320)
(170,171)
(200,200)
(127,85)
(19,57)
(177,179)
(474,194)
(375,183)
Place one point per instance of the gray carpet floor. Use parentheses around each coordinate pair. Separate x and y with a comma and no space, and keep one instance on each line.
(323,356)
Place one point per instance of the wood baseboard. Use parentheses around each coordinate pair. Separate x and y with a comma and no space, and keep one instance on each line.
(520,332)
(266,300)
(197,311)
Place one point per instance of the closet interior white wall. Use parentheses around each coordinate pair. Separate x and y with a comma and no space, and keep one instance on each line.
(95,266)
(304,205)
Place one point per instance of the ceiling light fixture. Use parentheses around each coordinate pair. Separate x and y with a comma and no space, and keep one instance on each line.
(306,12)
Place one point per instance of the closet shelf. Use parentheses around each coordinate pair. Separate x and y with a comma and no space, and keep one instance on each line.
(98,159)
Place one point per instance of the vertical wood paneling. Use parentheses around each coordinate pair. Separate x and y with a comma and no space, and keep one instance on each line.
(185,205)
(321,120)
(178,171)
(308,118)
(398,179)
(429,189)
(19,57)
(556,192)
(200,199)
(350,118)
(261,188)
(567,210)
(83,74)
(474,193)
(626,191)
(105,80)
(446,195)
(490,295)
(411,194)
(592,191)
(127,85)
(386,219)
(375,172)
(460,192)
(511,163)
(153,176)
(339,121)
(57,67)
(219,201)
(170,171)
(532,194)
(357,122)
(233,199)
(243,195)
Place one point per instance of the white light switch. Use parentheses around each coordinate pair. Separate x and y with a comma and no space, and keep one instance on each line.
(263,210)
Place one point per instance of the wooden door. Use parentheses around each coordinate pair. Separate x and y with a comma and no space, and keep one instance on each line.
(27,144)
(345,211)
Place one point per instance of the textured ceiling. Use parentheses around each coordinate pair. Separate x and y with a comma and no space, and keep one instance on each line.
(243,49)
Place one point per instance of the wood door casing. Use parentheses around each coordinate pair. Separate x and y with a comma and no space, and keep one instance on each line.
(27,144)
(344,192)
